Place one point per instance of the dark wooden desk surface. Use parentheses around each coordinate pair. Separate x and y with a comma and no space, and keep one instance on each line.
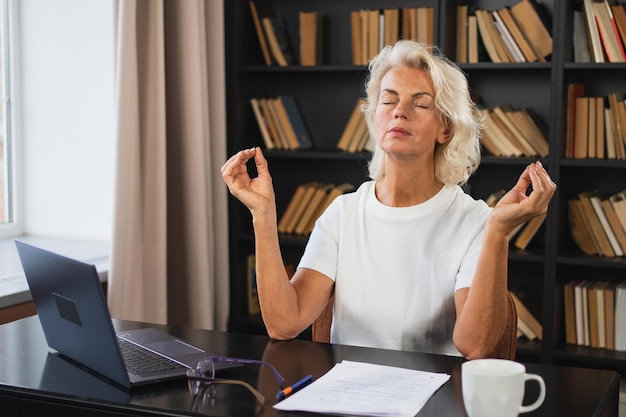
(35,381)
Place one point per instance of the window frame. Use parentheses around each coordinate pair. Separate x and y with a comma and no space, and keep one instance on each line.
(14,226)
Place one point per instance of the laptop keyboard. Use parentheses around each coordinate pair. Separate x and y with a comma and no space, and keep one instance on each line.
(142,362)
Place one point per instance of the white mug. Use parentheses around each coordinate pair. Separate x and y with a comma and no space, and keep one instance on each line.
(495,388)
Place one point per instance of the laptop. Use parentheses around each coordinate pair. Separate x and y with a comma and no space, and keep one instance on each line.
(77,324)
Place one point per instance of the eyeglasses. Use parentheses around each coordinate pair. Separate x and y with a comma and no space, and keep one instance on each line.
(204,375)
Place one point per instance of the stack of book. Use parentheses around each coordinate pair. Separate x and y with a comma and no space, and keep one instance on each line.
(281,123)
(600,32)
(596,126)
(372,29)
(307,203)
(597,224)
(511,132)
(355,136)
(595,313)
(520,33)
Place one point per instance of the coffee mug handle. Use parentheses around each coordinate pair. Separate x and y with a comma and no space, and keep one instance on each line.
(542,393)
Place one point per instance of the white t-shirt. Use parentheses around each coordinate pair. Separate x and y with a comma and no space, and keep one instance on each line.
(396,268)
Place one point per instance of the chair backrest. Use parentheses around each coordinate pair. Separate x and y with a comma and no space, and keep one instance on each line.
(504,349)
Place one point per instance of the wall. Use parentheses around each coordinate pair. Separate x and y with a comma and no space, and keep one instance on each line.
(65,98)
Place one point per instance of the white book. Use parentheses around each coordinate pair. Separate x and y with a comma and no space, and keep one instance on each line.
(620,317)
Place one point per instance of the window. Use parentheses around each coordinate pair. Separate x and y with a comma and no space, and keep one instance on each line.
(6,201)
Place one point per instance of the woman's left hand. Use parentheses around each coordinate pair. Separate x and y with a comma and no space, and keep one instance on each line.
(515,207)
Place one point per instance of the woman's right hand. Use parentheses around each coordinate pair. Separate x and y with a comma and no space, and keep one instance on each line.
(256,193)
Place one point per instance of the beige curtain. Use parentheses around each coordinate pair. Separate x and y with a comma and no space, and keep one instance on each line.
(169,257)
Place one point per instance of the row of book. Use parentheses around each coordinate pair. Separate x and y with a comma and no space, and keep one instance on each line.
(308,202)
(274,39)
(513,132)
(281,123)
(596,126)
(600,32)
(372,29)
(598,224)
(519,33)
(595,314)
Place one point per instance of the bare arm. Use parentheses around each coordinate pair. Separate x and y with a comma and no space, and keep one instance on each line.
(480,322)
(288,307)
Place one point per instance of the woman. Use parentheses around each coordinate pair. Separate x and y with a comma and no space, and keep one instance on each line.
(414,262)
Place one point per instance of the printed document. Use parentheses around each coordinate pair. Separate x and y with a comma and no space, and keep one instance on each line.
(356,388)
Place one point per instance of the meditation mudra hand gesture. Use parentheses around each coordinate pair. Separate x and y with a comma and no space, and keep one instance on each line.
(413,262)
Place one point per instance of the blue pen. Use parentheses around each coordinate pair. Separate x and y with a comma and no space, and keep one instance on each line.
(295,387)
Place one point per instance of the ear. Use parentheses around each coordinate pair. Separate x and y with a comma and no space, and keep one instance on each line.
(444,136)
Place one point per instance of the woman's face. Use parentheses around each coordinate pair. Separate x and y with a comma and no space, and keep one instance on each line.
(406,122)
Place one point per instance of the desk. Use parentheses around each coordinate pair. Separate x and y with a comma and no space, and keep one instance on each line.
(36,382)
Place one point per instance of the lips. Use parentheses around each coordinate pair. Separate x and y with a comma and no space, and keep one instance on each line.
(399,131)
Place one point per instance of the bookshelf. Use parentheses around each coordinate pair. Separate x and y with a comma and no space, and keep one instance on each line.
(326,96)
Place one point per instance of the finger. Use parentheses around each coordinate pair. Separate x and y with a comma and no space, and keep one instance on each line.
(261,163)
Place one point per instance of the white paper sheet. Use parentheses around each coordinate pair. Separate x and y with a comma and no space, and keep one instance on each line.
(356,388)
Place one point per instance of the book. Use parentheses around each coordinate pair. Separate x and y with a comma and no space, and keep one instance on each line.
(615,224)
(580,313)
(355,37)
(278,40)
(524,329)
(391,26)
(580,44)
(593,35)
(609,37)
(581,128)
(534,24)
(574,90)
(529,231)
(616,105)
(609,314)
(619,15)
(512,130)
(579,230)
(461,33)
(301,131)
(527,310)
(472,39)
(618,202)
(599,134)
(594,326)
(253,295)
(569,306)
(518,36)
(596,202)
(611,150)
(260,9)
(620,317)
(591,127)
(311,38)
(262,123)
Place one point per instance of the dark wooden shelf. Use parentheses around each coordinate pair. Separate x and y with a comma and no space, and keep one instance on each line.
(327,94)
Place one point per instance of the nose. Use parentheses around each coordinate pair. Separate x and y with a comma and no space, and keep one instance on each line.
(398,113)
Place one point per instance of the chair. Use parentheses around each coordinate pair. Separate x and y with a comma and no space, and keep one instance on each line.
(504,349)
